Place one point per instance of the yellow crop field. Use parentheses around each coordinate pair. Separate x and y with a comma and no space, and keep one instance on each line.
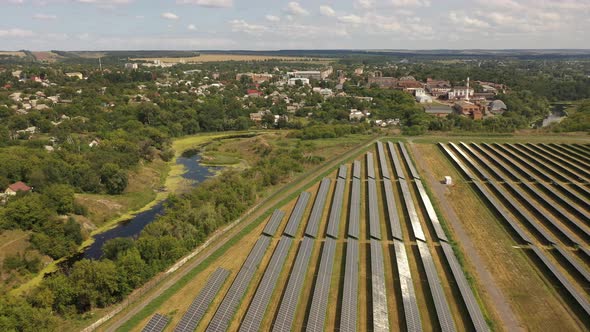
(234,57)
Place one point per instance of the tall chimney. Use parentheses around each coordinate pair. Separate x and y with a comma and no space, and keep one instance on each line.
(467,96)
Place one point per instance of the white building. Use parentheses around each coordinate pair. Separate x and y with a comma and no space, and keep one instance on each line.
(131,66)
(293,80)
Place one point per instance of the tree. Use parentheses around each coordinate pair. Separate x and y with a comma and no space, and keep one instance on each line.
(113,178)
(61,197)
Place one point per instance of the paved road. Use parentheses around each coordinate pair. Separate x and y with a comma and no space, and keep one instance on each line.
(251,215)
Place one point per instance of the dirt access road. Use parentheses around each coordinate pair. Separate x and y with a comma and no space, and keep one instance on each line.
(254,213)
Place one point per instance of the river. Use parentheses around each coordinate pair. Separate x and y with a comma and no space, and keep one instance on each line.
(195,172)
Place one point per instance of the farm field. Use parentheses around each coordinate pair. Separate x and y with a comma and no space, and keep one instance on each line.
(363,249)
(210,57)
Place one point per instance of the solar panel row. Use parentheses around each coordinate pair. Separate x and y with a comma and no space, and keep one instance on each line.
(374,225)
(370,166)
(523,197)
(355,209)
(409,162)
(356,169)
(273,223)
(257,308)
(342,171)
(227,309)
(575,161)
(580,300)
(488,195)
(527,165)
(562,161)
(313,224)
(379,295)
(348,314)
(547,157)
(410,304)
(297,214)
(382,161)
(392,213)
(290,300)
(550,203)
(440,233)
(336,209)
(574,151)
(582,271)
(443,312)
(411,209)
(473,309)
(397,165)
(197,309)
(156,324)
(319,304)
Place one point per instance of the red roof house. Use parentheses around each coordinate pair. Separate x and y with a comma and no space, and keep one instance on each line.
(16,187)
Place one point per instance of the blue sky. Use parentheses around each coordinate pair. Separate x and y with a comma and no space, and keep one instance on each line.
(304,24)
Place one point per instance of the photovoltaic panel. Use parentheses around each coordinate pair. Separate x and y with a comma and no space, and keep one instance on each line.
(397,165)
(313,224)
(294,288)
(379,295)
(370,166)
(382,161)
(406,155)
(374,225)
(580,300)
(196,311)
(355,209)
(573,262)
(410,304)
(297,214)
(564,161)
(392,212)
(440,233)
(458,162)
(273,223)
(348,315)
(411,209)
(573,150)
(356,169)
(342,171)
(443,312)
(473,309)
(255,314)
(319,305)
(227,309)
(336,209)
(156,324)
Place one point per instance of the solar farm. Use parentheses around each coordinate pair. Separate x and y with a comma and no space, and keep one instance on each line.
(366,249)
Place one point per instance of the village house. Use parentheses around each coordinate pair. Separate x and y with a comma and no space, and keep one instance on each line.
(469,109)
(437,88)
(14,188)
(460,92)
(440,111)
(77,75)
(256,78)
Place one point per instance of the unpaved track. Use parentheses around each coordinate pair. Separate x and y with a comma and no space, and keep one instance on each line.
(250,216)
(509,322)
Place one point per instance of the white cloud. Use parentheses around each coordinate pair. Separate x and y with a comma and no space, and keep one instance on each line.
(15,32)
(272,18)
(243,26)
(169,16)
(46,17)
(411,3)
(327,11)
(106,2)
(295,9)
(365,4)
(208,3)
(461,18)
(191,27)
(351,19)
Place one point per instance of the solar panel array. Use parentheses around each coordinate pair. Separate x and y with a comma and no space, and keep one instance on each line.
(257,308)
(227,309)
(571,166)
(397,165)
(197,309)
(379,295)
(297,214)
(409,162)
(348,315)
(383,161)
(274,222)
(342,171)
(355,209)
(319,304)
(313,224)
(443,312)
(356,169)
(156,324)
(581,270)
(440,233)
(374,226)
(473,309)
(370,166)
(288,306)
(392,213)
(410,304)
(336,209)
(411,209)
(571,290)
